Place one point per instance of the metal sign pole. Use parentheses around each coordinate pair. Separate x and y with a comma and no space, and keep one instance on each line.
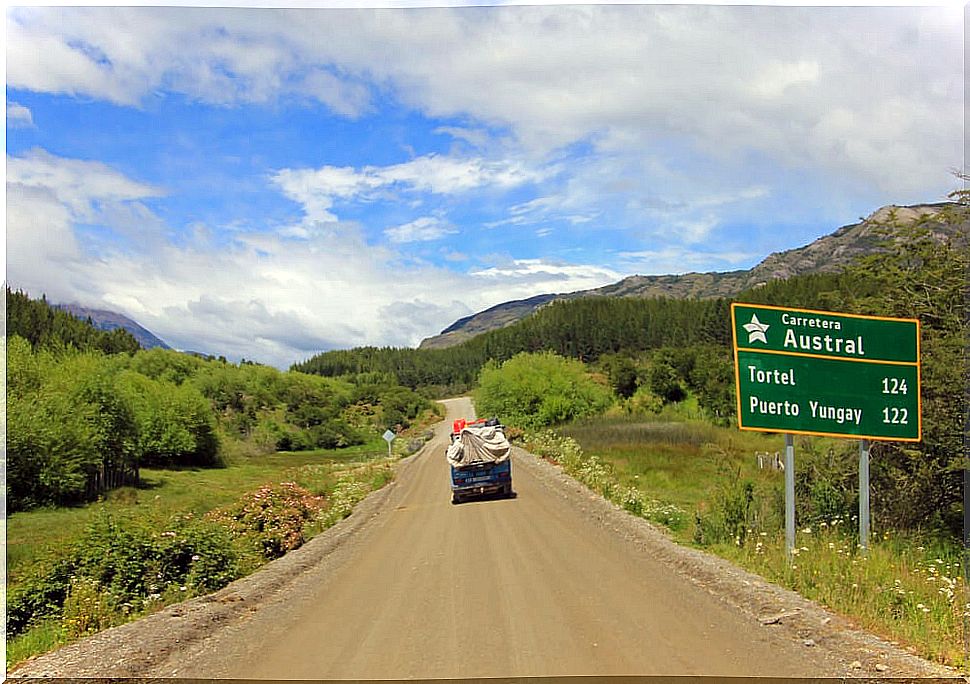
(864,495)
(789,494)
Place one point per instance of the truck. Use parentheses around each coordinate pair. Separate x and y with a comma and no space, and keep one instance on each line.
(479,458)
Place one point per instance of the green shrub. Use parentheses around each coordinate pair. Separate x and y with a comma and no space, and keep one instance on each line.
(536,390)
(344,497)
(128,566)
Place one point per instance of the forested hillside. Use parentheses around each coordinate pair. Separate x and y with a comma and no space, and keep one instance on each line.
(583,329)
(43,325)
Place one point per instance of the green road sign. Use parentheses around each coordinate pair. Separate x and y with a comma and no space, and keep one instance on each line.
(821,373)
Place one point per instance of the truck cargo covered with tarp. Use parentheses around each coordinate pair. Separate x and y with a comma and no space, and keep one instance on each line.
(479,444)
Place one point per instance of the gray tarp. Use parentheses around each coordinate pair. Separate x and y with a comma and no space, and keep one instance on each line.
(485,444)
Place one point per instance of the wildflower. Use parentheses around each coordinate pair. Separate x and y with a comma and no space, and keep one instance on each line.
(804,548)
(807,530)
(832,546)
(926,610)
(823,524)
(920,606)
(195,557)
(182,588)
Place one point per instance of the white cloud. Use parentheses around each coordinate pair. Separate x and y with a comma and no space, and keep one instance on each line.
(422,229)
(86,188)
(318,189)
(554,274)
(475,137)
(693,232)
(276,297)
(19,116)
(777,77)
(873,94)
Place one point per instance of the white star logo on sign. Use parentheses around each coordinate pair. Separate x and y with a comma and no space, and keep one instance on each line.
(756,330)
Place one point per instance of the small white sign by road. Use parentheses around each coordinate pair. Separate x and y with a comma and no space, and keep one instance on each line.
(389,437)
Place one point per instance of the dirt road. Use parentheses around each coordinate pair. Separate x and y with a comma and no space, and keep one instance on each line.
(548,583)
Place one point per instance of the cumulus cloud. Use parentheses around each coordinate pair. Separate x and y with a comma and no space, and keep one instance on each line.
(84,187)
(549,276)
(276,296)
(875,94)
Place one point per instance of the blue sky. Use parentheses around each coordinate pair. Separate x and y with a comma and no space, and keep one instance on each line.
(272,183)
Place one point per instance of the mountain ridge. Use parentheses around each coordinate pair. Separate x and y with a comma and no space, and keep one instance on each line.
(829,253)
(102,319)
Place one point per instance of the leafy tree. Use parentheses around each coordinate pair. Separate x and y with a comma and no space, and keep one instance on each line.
(174,422)
(622,373)
(663,378)
(532,390)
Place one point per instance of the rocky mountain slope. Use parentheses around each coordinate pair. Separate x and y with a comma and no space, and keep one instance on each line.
(110,320)
(830,253)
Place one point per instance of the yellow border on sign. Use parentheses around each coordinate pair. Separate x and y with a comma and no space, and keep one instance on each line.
(917,363)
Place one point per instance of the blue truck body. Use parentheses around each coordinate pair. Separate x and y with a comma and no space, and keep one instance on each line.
(481,479)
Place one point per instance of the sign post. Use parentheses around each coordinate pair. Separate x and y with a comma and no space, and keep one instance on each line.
(789,494)
(800,371)
(389,437)
(864,495)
